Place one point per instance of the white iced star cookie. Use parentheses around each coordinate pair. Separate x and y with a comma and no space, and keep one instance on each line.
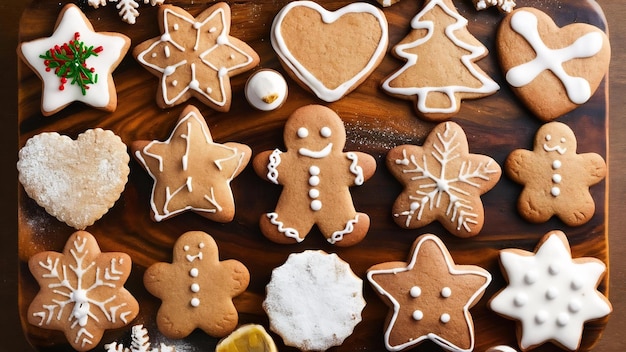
(75,63)
(549,293)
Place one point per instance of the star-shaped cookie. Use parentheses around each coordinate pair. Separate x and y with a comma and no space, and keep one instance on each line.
(550,294)
(82,291)
(195,57)
(190,171)
(430,297)
(442,181)
(197,289)
(75,63)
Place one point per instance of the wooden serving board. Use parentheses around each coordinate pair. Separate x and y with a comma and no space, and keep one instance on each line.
(375,122)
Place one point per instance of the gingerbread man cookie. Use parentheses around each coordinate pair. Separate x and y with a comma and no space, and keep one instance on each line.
(442,181)
(429,296)
(316,175)
(197,289)
(556,180)
(191,171)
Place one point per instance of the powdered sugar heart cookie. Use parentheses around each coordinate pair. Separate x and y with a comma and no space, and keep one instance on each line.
(330,53)
(75,181)
(552,70)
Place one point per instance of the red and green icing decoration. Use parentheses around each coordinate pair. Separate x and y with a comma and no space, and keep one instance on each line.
(69,63)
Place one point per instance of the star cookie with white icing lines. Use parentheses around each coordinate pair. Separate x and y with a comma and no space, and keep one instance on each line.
(550,294)
(430,297)
(195,57)
(196,289)
(556,179)
(76,63)
(190,171)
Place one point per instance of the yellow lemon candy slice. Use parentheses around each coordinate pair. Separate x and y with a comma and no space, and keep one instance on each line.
(248,338)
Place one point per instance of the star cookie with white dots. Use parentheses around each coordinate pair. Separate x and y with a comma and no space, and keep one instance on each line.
(550,294)
(429,296)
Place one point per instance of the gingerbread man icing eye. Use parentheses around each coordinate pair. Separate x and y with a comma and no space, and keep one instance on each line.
(326,132)
(303,132)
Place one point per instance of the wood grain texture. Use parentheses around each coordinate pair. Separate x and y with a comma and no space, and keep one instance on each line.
(375,123)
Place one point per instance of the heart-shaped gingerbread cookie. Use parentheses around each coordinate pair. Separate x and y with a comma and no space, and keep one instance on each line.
(552,70)
(75,181)
(330,53)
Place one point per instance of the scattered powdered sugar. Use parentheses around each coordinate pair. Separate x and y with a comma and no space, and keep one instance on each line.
(314,300)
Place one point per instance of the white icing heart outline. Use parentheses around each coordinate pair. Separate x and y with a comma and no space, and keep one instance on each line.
(328,17)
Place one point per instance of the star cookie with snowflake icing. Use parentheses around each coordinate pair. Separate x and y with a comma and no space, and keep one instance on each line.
(550,294)
(442,181)
(190,171)
(75,63)
(195,57)
(82,291)
(429,297)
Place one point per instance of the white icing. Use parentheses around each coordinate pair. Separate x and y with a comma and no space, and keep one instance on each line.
(264,84)
(303,132)
(415,291)
(556,178)
(314,193)
(326,132)
(202,56)
(287,231)
(193,272)
(355,169)
(444,317)
(555,191)
(192,118)
(195,302)
(418,315)
(488,86)
(316,205)
(446,292)
(556,148)
(314,181)
(588,45)
(314,300)
(338,235)
(195,288)
(316,154)
(303,74)
(98,95)
(547,315)
(556,164)
(501,348)
(272,166)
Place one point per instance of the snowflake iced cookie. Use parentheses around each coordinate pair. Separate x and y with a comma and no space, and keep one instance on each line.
(314,300)
(550,294)
(442,181)
(196,289)
(81,291)
(316,175)
(330,53)
(438,44)
(556,180)
(552,70)
(76,181)
(195,57)
(190,171)
(429,297)
(127,8)
(140,342)
(75,63)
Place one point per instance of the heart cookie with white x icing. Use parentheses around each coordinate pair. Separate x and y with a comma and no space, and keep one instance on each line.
(330,53)
(75,181)
(552,70)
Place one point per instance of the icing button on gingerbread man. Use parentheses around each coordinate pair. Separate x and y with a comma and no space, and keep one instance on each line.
(197,289)
(316,175)
(556,180)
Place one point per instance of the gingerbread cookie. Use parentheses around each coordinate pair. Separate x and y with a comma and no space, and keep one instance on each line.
(550,294)
(81,291)
(437,45)
(316,175)
(75,63)
(330,53)
(442,181)
(553,70)
(429,297)
(314,300)
(75,181)
(556,180)
(197,289)
(190,171)
(195,56)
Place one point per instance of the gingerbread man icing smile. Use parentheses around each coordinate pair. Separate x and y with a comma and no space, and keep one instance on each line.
(315,174)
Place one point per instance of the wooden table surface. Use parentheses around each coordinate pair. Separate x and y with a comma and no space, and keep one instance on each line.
(12,338)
